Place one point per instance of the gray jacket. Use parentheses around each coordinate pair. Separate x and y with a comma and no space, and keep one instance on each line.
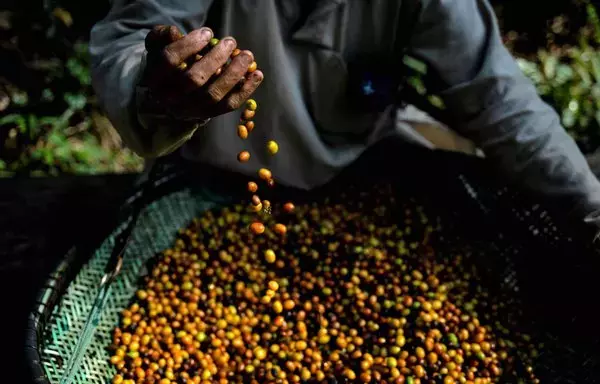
(301,100)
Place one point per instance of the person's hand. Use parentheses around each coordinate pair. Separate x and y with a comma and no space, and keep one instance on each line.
(190,78)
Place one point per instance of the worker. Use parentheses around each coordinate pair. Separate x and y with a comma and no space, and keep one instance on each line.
(305,50)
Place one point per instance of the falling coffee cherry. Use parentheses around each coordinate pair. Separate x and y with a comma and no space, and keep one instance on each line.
(243,156)
(242,132)
(265,174)
(251,104)
(272,147)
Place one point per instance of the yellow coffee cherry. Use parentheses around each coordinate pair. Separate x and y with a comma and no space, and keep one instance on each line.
(272,147)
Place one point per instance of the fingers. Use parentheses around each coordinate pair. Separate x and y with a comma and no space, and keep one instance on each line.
(161,36)
(232,101)
(201,71)
(176,53)
(166,61)
(230,77)
(235,99)
(221,80)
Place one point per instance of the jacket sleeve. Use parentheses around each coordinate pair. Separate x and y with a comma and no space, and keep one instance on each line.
(493,104)
(117,52)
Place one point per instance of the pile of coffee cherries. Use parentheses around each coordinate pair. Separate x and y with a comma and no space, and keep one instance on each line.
(358,288)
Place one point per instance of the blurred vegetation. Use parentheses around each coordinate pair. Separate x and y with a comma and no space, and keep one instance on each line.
(51,124)
(560,54)
(50,121)
(568,78)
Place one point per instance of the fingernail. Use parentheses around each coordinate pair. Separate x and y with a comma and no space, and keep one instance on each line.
(207,33)
(229,41)
(247,56)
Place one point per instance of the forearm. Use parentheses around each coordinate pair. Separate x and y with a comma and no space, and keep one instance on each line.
(494,105)
(524,137)
(117,50)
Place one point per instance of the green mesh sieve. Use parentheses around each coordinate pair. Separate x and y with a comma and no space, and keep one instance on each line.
(155,231)
(512,235)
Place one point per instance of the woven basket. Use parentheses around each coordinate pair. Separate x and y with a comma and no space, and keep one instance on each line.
(524,251)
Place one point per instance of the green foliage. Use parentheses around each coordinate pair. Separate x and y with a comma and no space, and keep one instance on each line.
(569,80)
(417,74)
(52,123)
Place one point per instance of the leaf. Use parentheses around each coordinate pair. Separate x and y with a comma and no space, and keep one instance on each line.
(81,49)
(57,139)
(583,122)
(2,165)
(584,75)
(593,21)
(12,118)
(63,15)
(76,101)
(568,118)
(417,83)
(573,106)
(82,155)
(37,154)
(48,120)
(15,119)
(564,74)
(48,157)
(531,70)
(415,64)
(63,154)
(595,65)
(79,71)
(436,101)
(549,64)
(20,98)
(33,126)
(47,95)
(597,116)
